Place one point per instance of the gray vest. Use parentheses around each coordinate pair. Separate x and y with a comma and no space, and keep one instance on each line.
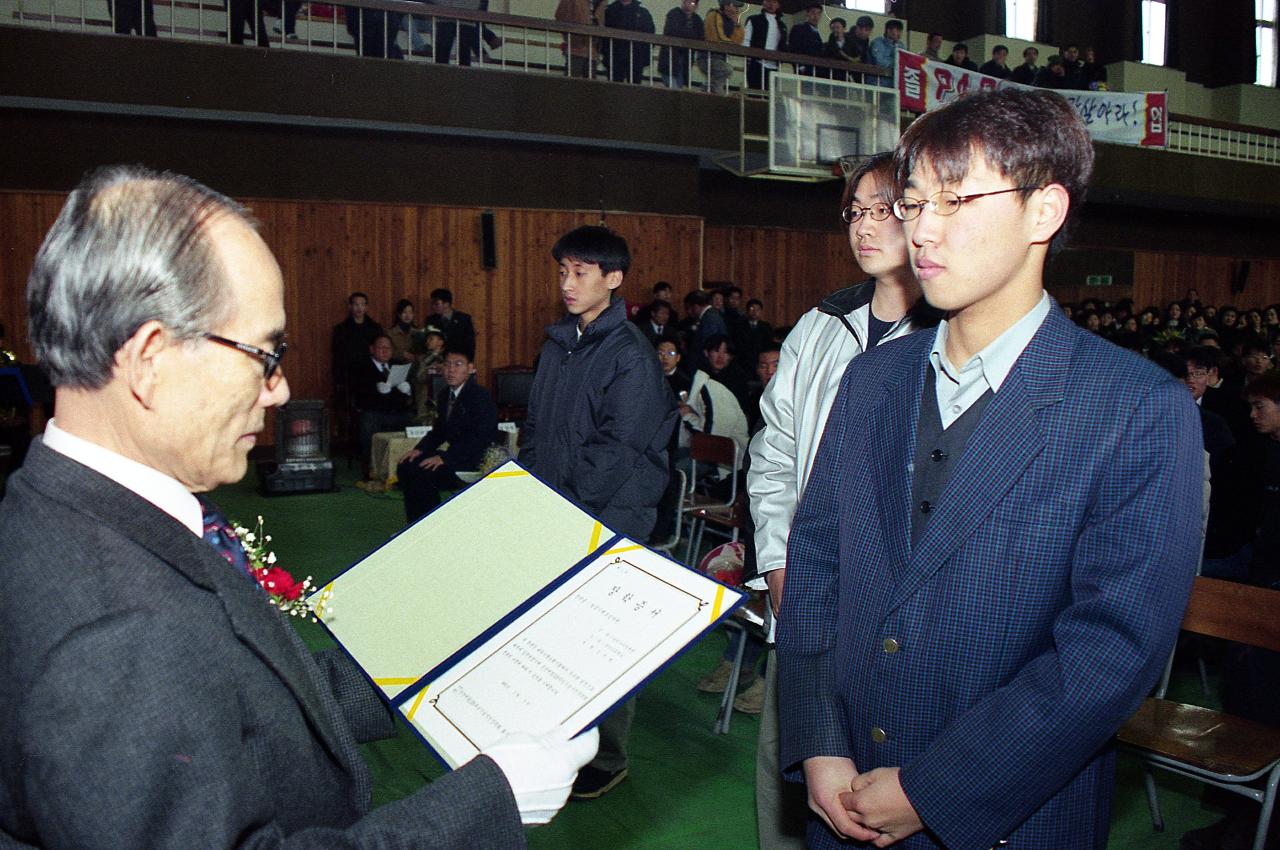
(938,452)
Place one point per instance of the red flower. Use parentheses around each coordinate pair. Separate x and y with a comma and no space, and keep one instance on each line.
(278,582)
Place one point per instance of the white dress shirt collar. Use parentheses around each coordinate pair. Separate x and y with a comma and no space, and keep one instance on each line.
(164,492)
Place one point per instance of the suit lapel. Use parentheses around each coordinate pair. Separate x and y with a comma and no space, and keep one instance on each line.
(252,620)
(1007,439)
(892,458)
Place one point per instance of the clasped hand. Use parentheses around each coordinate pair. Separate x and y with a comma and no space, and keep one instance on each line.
(869,806)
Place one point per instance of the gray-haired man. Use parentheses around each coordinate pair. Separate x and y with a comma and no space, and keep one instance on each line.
(152,698)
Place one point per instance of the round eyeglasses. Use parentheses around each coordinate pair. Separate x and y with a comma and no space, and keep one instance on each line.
(945,202)
(853,213)
(270,359)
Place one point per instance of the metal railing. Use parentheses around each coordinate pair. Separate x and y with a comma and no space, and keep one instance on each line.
(397,29)
(1221,140)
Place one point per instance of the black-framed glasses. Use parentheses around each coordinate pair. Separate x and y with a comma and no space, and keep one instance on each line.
(853,213)
(270,359)
(946,202)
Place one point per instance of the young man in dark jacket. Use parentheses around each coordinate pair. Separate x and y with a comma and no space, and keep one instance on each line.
(600,415)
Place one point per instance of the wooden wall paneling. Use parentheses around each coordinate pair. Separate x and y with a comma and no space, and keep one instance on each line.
(24,219)
(1161,278)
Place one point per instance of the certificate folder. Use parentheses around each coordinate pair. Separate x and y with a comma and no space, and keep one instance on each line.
(510,609)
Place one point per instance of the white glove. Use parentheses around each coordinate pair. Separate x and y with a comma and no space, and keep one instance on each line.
(404,387)
(541,770)
(384,388)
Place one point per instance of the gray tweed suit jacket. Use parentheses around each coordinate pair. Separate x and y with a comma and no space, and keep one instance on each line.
(151,698)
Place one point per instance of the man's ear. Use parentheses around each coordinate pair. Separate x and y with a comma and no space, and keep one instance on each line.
(137,360)
(1049,206)
(613,279)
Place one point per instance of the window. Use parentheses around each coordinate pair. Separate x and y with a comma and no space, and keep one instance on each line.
(880,7)
(1153,31)
(1020,19)
(1265,41)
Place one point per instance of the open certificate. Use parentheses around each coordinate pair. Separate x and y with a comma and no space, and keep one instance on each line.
(564,640)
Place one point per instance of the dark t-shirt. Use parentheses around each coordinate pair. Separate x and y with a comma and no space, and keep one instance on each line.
(876,329)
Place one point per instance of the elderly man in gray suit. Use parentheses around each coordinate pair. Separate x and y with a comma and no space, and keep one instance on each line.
(152,698)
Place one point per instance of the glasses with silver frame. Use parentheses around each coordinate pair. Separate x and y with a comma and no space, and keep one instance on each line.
(853,213)
(945,202)
(270,359)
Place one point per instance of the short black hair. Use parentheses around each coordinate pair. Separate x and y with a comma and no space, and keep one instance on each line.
(594,245)
(351,299)
(660,285)
(756,301)
(1266,385)
(1207,357)
(999,48)
(1027,50)
(442,295)
(698,296)
(729,290)
(767,348)
(841,21)
(959,45)
(1255,343)
(714,341)
(934,35)
(458,350)
(892,24)
(400,305)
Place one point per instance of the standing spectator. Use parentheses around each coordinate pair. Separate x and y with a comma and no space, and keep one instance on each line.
(1072,66)
(657,327)
(1093,74)
(135,16)
(707,320)
(932,46)
(465,427)
(600,416)
(674,63)
(884,51)
(764,31)
(467,33)
(759,332)
(1053,75)
(806,39)
(998,64)
(722,27)
(628,59)
(349,343)
(459,332)
(578,49)
(1027,72)
(722,366)
(838,47)
(960,57)
(794,409)
(401,333)
(374,30)
(862,40)
(241,13)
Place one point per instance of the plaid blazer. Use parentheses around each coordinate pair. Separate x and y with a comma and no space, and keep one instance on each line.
(1034,615)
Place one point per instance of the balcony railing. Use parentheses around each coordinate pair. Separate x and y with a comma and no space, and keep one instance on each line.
(1219,139)
(423,32)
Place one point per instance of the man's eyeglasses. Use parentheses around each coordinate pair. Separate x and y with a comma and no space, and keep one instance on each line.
(1197,373)
(945,202)
(270,359)
(853,213)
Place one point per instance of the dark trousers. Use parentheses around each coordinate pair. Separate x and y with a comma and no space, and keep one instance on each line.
(422,487)
(446,32)
(376,32)
(758,75)
(242,12)
(134,16)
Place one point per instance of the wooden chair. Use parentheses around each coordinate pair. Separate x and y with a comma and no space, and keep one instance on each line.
(718,452)
(1219,749)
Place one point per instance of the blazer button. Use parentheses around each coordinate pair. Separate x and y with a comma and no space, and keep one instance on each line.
(891,646)
(925,507)
(878,735)
(937,455)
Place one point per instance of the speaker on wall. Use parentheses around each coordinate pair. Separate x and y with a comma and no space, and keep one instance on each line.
(1239,276)
(488,245)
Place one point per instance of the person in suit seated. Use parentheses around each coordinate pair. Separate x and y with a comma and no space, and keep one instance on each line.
(466,421)
(992,556)
(205,722)
(381,406)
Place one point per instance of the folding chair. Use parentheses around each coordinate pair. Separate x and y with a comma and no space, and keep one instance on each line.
(725,513)
(1228,752)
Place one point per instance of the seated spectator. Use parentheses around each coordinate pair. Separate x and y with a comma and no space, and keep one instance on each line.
(722,27)
(1263,395)
(1255,357)
(766,367)
(764,31)
(627,59)
(1093,74)
(960,57)
(839,46)
(580,51)
(459,332)
(349,343)
(718,354)
(381,406)
(658,326)
(401,333)
(465,428)
(884,51)
(675,63)
(806,39)
(1054,76)
(998,64)
(932,46)
(1027,72)
(678,381)
(669,360)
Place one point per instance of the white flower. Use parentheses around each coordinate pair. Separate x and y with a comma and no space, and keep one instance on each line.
(271,557)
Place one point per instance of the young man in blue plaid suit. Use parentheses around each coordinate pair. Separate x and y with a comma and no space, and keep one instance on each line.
(996,545)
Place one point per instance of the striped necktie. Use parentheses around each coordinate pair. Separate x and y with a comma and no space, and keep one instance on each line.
(220,534)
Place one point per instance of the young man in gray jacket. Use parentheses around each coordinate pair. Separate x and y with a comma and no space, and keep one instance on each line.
(795,407)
